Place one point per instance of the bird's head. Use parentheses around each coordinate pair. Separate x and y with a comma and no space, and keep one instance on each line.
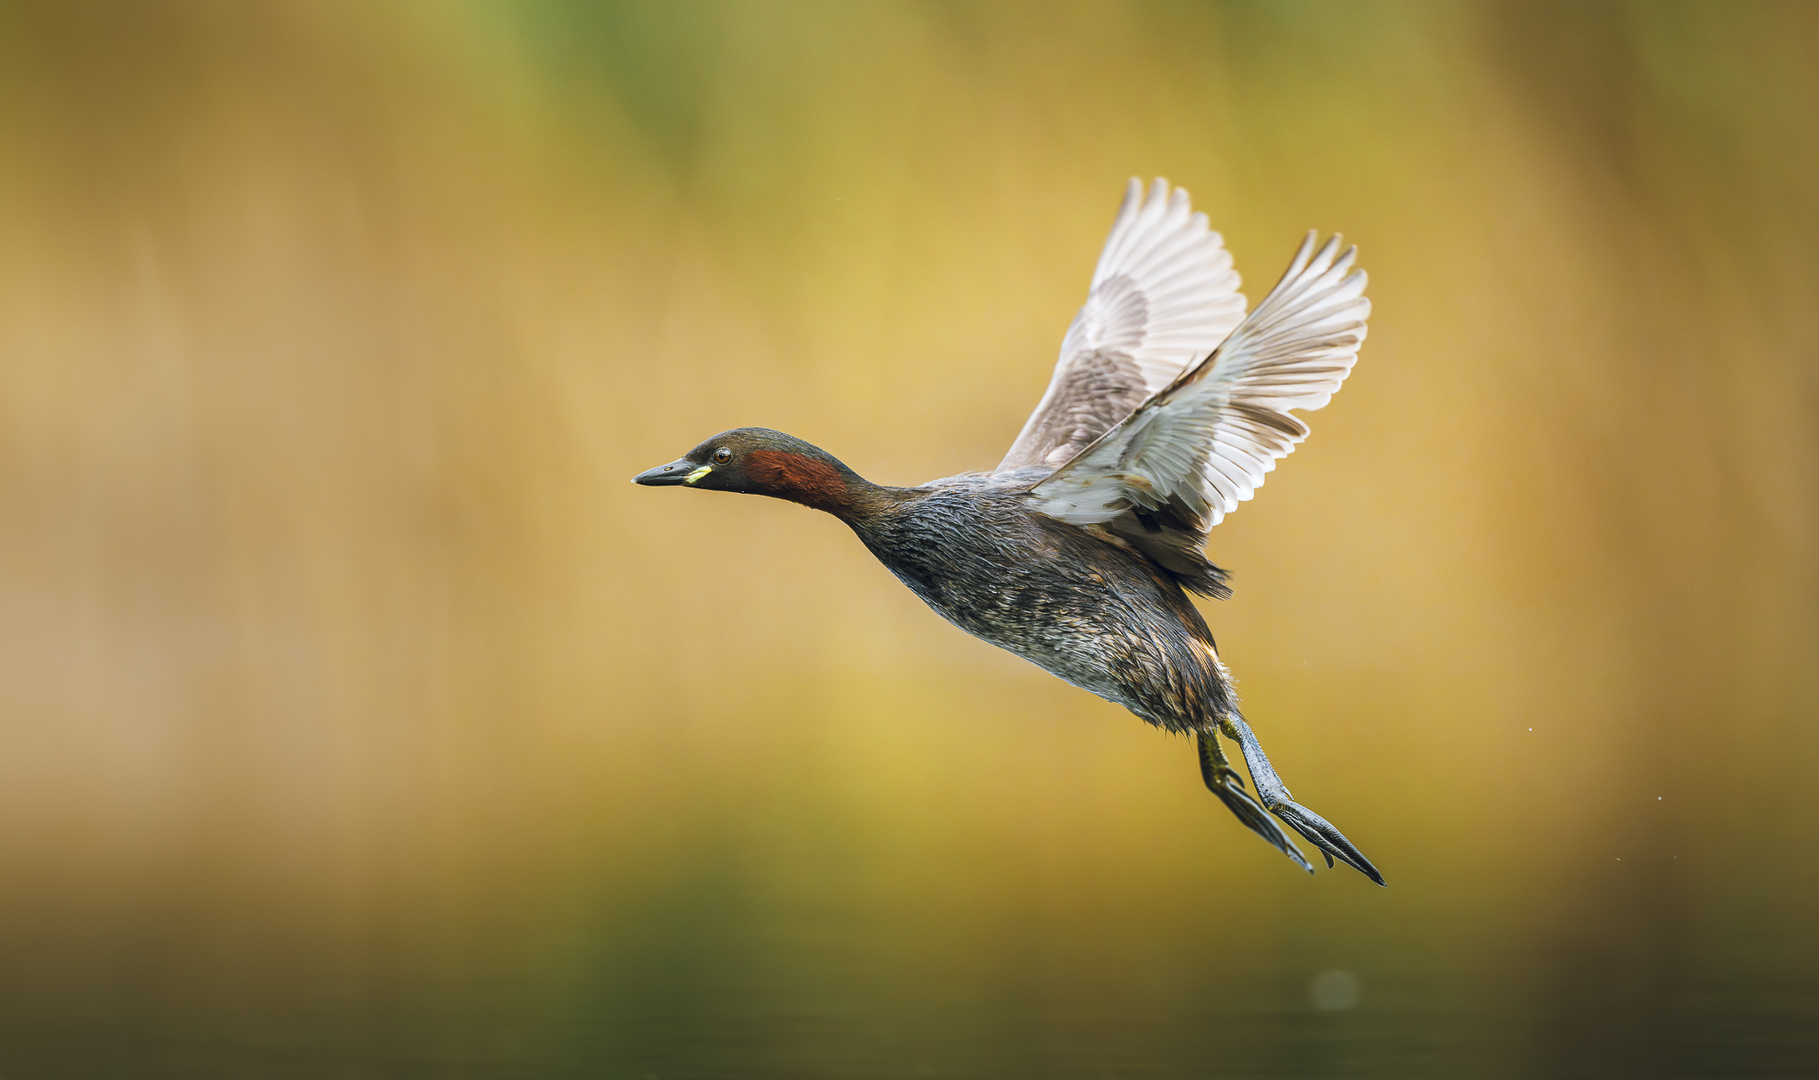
(759,461)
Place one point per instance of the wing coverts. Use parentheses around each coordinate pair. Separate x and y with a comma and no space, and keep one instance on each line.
(1168,472)
(1163,295)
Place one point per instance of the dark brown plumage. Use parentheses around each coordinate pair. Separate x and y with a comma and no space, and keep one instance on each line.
(1075,553)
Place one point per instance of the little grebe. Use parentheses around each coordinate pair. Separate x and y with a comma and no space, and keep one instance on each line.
(1166,409)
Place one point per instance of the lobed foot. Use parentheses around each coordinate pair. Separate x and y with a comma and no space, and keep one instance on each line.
(1318,831)
(1222,780)
(1331,842)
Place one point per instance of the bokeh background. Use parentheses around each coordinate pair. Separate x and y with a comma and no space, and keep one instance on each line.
(359,719)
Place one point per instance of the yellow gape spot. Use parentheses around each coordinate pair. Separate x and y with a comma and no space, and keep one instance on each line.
(697,474)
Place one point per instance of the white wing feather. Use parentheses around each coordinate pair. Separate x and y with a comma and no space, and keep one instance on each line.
(1163,295)
(1203,445)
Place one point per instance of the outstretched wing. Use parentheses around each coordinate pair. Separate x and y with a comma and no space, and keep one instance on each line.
(1173,469)
(1164,295)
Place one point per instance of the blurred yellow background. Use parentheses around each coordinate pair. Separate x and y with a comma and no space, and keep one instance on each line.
(358,718)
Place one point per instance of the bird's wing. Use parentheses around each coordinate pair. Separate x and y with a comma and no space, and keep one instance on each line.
(1173,469)
(1164,295)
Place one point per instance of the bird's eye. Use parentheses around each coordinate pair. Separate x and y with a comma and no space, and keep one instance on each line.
(722,456)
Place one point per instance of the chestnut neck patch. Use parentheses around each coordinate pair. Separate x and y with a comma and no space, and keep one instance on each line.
(799,479)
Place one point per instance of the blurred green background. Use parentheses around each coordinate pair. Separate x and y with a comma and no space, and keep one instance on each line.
(359,719)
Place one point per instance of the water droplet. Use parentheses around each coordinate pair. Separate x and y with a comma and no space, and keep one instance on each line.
(1335,991)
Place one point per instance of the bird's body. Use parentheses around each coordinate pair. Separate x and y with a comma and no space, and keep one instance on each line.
(1077,603)
(1077,552)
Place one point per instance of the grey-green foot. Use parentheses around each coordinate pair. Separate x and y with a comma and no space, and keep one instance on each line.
(1222,780)
(1318,831)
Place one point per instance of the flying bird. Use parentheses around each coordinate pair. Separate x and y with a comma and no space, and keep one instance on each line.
(1167,408)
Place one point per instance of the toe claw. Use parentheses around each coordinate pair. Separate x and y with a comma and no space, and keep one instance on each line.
(1331,842)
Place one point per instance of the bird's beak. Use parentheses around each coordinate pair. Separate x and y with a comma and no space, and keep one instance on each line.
(682,471)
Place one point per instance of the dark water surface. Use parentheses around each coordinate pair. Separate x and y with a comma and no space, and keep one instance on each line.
(716,965)
(683,1016)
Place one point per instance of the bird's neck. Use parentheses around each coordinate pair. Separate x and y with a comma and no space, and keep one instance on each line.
(819,481)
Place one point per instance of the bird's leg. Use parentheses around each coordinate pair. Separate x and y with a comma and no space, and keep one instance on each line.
(1223,780)
(1274,794)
